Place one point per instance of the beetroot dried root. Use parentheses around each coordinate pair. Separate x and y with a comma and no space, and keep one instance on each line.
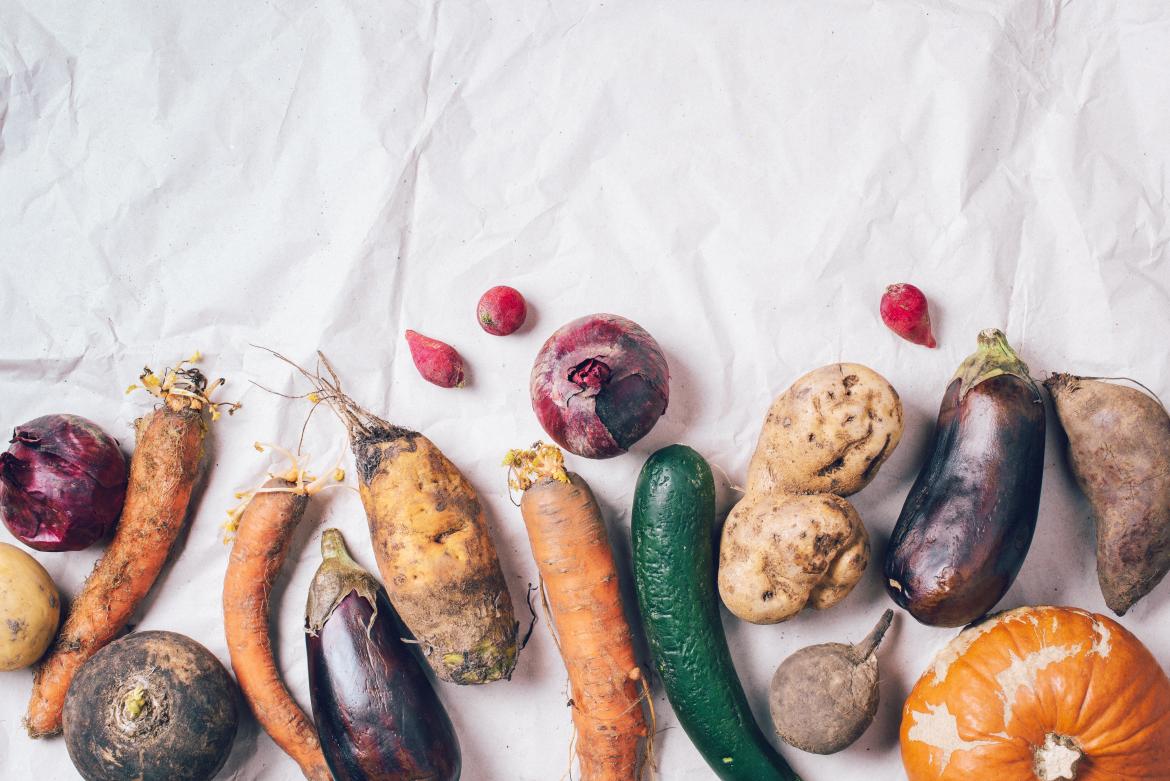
(501,310)
(905,312)
(438,362)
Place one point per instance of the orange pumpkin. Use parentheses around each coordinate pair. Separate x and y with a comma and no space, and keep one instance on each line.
(1040,693)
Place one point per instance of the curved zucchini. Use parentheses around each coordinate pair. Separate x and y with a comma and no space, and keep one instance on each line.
(968,520)
(674,570)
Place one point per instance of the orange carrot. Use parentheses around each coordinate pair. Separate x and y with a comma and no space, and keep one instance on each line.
(262,536)
(579,577)
(163,473)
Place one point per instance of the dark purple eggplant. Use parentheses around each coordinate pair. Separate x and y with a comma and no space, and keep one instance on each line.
(969,518)
(377,713)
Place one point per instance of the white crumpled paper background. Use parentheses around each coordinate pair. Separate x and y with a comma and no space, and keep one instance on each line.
(740,178)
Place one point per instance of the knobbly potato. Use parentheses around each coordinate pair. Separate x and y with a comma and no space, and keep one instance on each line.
(793,541)
(29,609)
(781,552)
(829,432)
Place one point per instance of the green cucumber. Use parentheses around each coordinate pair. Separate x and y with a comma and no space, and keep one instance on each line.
(674,570)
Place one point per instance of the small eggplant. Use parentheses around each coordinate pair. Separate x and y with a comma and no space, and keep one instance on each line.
(377,714)
(969,518)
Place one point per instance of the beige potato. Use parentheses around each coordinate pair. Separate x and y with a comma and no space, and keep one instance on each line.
(30,608)
(829,432)
(781,552)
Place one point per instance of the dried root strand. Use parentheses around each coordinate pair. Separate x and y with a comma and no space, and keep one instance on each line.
(361,424)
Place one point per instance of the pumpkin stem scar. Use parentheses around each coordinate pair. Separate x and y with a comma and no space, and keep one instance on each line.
(1057,759)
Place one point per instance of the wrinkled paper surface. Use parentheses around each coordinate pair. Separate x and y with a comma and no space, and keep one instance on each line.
(740,178)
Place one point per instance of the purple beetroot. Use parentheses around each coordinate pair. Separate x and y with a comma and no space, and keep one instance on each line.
(599,384)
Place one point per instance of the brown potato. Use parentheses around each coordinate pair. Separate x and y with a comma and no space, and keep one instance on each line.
(829,432)
(781,552)
(29,608)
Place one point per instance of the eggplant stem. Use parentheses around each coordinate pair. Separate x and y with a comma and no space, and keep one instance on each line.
(337,577)
(993,357)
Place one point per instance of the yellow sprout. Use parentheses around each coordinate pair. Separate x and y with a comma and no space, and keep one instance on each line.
(299,479)
(540,462)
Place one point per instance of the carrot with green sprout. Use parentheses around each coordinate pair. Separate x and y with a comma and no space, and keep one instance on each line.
(580,581)
(163,472)
(263,527)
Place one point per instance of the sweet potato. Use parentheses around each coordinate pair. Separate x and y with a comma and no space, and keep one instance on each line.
(1119,451)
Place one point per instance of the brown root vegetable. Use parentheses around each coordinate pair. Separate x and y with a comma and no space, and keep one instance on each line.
(829,432)
(153,706)
(792,541)
(1119,451)
(823,697)
(432,543)
(781,553)
(30,608)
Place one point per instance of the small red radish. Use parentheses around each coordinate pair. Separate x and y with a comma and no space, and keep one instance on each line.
(904,311)
(501,310)
(437,362)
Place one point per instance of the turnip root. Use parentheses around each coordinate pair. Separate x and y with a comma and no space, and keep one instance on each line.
(823,697)
(1119,450)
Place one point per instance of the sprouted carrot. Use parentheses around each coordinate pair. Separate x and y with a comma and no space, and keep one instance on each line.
(263,527)
(579,576)
(163,473)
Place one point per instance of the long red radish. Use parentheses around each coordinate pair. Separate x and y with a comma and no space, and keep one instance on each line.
(263,532)
(577,569)
(163,473)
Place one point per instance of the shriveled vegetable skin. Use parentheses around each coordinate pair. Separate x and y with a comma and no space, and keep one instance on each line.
(969,518)
(262,541)
(580,582)
(376,712)
(829,432)
(1119,450)
(674,571)
(153,706)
